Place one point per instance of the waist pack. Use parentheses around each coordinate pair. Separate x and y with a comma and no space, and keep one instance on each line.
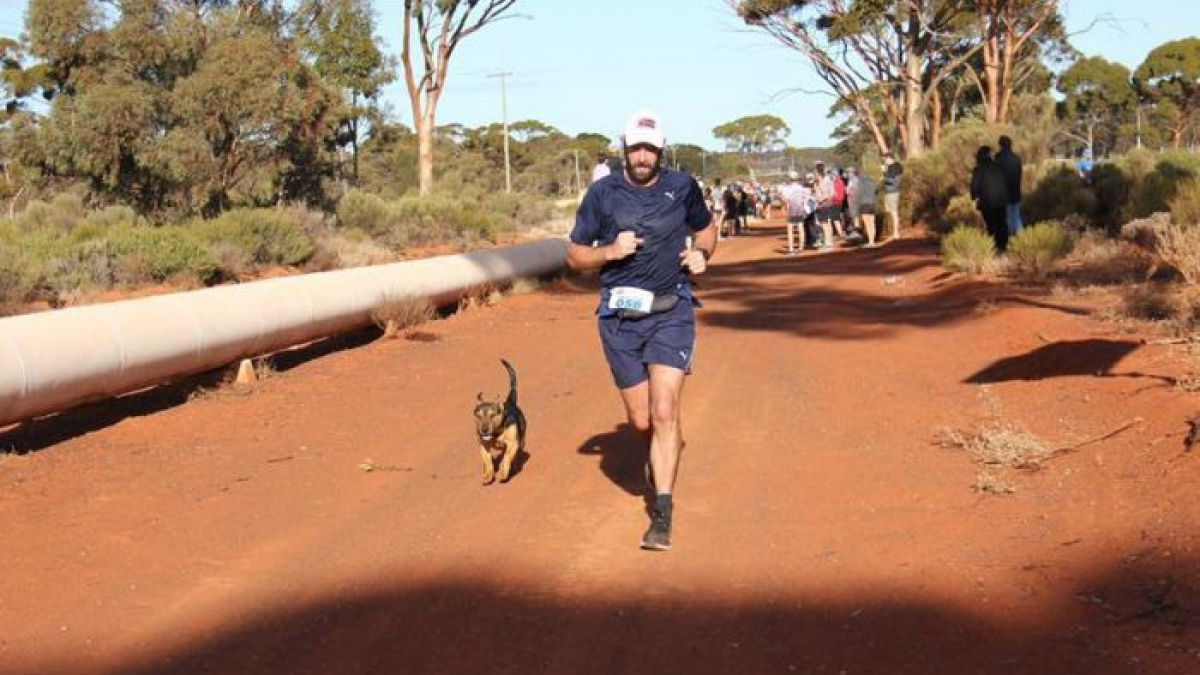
(662,303)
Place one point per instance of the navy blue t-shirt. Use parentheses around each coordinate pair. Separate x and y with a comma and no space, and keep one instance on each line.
(663,215)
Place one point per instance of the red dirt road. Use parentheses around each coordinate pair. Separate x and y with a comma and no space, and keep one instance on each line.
(819,529)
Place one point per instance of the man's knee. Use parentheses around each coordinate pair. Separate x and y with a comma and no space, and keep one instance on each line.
(639,420)
(664,411)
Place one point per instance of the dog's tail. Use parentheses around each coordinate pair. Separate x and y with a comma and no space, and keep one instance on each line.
(512,383)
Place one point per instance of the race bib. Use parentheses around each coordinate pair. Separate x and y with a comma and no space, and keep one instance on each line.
(630,298)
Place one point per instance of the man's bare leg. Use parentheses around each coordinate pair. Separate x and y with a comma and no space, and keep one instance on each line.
(868,221)
(666,391)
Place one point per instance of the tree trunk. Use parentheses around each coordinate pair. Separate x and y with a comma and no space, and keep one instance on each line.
(914,114)
(425,153)
(935,120)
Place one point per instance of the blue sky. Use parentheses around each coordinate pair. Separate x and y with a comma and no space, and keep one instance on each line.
(585,66)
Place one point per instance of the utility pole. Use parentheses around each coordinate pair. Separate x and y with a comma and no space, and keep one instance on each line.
(578,179)
(504,116)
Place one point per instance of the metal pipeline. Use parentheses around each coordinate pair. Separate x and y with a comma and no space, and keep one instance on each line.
(53,360)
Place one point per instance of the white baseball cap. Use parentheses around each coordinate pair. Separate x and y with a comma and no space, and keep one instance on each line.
(644,127)
(793,175)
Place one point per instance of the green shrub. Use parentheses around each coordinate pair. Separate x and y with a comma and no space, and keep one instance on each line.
(933,180)
(18,279)
(61,214)
(111,216)
(1185,207)
(961,211)
(141,253)
(1058,194)
(265,236)
(967,249)
(1035,249)
(364,211)
(1156,180)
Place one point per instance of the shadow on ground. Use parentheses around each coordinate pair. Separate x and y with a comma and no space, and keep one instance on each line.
(767,294)
(623,458)
(1131,618)
(1090,358)
(41,433)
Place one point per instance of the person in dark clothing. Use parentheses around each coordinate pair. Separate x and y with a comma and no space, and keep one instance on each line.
(990,192)
(1010,164)
(733,209)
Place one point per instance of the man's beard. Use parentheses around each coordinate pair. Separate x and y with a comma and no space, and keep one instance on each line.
(642,174)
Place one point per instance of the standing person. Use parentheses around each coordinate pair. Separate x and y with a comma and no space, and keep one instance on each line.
(637,227)
(892,171)
(863,205)
(733,209)
(718,206)
(989,189)
(824,195)
(1010,164)
(811,228)
(601,169)
(1085,165)
(793,195)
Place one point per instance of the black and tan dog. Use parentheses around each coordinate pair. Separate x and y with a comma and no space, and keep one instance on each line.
(500,426)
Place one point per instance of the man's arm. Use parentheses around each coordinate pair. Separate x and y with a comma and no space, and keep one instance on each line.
(581,257)
(703,247)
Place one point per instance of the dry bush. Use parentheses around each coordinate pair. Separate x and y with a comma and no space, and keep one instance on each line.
(967,249)
(1100,260)
(401,316)
(1160,301)
(1185,207)
(1179,247)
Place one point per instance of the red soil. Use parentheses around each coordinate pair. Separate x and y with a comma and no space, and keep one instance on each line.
(819,528)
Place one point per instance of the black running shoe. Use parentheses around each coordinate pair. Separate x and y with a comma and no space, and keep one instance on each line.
(658,536)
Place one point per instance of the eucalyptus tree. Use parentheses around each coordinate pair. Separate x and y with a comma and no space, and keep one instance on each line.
(339,38)
(431,32)
(1170,78)
(1097,98)
(861,48)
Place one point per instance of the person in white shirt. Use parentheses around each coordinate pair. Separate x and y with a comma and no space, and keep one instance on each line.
(794,201)
(825,205)
(601,169)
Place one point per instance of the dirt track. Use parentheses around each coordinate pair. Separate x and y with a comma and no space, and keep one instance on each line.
(818,528)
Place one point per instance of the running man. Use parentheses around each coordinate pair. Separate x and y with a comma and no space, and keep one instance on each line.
(637,227)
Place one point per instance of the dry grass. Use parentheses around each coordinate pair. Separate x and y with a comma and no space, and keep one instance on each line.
(479,296)
(998,447)
(402,316)
(992,484)
(524,285)
(1158,301)
(987,306)
(1179,247)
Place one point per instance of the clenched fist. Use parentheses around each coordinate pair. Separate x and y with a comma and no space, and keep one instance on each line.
(625,245)
(693,260)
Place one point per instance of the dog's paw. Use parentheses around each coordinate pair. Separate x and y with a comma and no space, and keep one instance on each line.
(489,479)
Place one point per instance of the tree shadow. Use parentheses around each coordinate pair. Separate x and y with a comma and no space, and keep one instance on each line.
(1091,358)
(1100,623)
(760,295)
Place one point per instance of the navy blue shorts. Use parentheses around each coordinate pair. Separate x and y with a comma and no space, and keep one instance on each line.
(631,345)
